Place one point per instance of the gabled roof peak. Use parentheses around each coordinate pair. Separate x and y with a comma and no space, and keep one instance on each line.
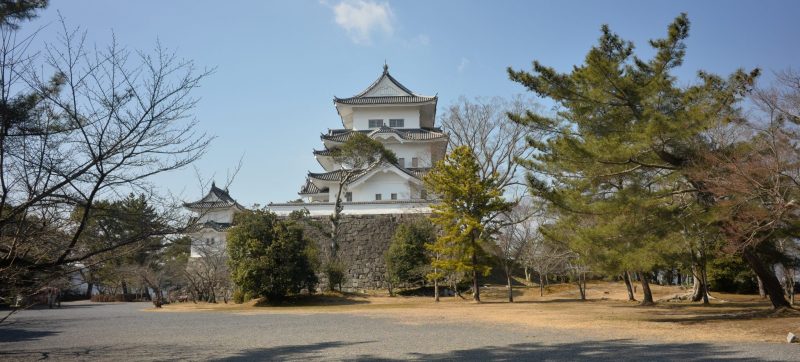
(385,76)
(215,198)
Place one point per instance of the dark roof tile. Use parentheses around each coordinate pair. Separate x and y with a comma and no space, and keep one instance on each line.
(413,134)
(386,100)
(309,189)
(215,198)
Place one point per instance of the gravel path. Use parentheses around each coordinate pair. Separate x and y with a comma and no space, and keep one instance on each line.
(123,332)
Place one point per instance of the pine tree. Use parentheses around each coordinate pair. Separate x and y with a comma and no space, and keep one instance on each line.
(467,202)
(615,156)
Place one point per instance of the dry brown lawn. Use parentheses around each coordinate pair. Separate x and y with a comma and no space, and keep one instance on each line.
(606,313)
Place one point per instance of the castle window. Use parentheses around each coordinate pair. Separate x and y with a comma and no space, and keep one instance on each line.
(394,196)
(396,123)
(414,162)
(377,197)
(348,196)
(401,162)
(375,123)
(423,194)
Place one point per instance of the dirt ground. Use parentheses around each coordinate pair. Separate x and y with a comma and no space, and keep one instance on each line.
(729,318)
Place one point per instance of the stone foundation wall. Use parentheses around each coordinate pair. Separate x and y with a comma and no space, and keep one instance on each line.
(362,245)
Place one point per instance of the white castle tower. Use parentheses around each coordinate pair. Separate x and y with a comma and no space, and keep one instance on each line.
(213,215)
(403,122)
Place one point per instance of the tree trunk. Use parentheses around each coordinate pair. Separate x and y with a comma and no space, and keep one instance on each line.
(700,287)
(627,278)
(510,288)
(541,285)
(772,286)
(336,215)
(704,272)
(89,288)
(761,291)
(788,283)
(146,293)
(476,289)
(582,286)
(456,292)
(436,290)
(647,298)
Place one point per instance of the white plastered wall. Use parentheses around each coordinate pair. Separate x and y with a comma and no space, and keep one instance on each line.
(362,115)
(408,151)
(384,183)
(208,239)
(221,216)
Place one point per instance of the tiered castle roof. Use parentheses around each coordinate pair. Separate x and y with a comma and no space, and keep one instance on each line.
(375,94)
(384,91)
(415,134)
(216,198)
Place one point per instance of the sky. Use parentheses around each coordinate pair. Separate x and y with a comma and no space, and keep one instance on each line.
(278,65)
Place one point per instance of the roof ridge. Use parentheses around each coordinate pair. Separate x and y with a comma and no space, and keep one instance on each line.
(383,75)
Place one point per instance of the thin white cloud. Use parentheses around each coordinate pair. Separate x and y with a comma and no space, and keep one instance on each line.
(361,19)
(423,39)
(462,65)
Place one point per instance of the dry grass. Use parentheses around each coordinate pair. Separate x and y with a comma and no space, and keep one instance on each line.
(607,314)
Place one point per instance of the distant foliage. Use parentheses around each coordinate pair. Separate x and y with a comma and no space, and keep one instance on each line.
(731,274)
(407,259)
(269,257)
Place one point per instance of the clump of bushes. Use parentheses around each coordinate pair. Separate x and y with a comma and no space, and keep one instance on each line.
(334,271)
(269,257)
(407,260)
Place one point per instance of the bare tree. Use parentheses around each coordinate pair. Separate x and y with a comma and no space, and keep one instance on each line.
(208,273)
(754,179)
(520,226)
(484,126)
(545,258)
(88,123)
(578,270)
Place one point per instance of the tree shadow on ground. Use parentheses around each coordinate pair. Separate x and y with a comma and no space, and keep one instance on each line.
(5,309)
(694,312)
(117,352)
(549,301)
(290,352)
(612,350)
(328,299)
(693,316)
(11,334)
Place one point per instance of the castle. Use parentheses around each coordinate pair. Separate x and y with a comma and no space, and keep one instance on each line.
(403,122)
(376,199)
(213,216)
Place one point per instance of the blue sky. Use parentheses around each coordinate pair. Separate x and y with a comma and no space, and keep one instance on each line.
(278,64)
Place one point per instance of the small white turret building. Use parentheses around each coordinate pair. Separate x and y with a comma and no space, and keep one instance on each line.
(213,215)
(404,122)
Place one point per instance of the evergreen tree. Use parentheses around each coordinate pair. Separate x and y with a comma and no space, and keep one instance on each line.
(269,257)
(615,157)
(407,258)
(467,203)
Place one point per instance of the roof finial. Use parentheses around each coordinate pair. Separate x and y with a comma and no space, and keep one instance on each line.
(213,185)
(385,67)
